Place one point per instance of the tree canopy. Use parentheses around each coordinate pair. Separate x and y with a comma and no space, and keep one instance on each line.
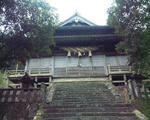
(26,29)
(131,19)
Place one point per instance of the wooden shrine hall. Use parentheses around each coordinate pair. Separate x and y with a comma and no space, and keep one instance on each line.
(83,50)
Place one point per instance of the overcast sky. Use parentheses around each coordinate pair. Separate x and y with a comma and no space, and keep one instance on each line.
(93,10)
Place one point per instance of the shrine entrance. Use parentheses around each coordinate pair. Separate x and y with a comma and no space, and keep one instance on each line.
(79,66)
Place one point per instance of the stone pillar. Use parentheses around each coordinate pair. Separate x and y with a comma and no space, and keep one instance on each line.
(44,92)
(130,89)
(135,88)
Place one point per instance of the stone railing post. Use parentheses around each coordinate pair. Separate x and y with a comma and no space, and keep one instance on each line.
(44,92)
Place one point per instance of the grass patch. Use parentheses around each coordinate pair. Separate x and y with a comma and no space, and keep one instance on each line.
(2,80)
(39,114)
(143,105)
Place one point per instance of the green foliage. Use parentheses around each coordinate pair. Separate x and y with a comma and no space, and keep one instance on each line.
(26,30)
(144,106)
(132,20)
(2,80)
(39,114)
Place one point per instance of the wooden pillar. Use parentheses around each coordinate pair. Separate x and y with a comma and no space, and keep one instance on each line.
(91,65)
(35,84)
(26,66)
(21,85)
(108,66)
(16,68)
(79,65)
(50,80)
(110,77)
(133,88)
(125,79)
(67,65)
(53,65)
(105,66)
(126,86)
(79,70)
(139,90)
(130,68)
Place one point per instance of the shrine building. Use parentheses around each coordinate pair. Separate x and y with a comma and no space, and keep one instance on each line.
(83,51)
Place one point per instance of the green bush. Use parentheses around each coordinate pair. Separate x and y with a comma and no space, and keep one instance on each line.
(143,105)
(2,80)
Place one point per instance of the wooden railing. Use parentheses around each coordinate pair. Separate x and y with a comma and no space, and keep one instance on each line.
(119,69)
(86,71)
(39,71)
(31,72)
(73,71)
(16,72)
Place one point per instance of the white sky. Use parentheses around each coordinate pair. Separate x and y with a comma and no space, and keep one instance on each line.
(93,10)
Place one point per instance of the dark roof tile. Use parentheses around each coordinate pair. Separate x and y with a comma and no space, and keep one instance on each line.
(83,30)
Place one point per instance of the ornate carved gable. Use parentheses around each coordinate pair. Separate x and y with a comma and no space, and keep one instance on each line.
(77,20)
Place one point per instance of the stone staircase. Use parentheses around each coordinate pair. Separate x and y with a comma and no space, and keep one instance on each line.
(86,101)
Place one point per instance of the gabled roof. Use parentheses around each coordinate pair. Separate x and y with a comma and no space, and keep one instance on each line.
(78,31)
(76,20)
(83,30)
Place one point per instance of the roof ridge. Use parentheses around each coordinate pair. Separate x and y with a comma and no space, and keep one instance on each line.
(73,17)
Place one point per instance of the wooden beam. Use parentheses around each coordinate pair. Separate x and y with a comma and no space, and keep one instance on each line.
(118,81)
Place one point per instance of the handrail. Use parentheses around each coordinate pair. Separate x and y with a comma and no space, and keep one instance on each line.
(31,72)
(47,71)
(119,69)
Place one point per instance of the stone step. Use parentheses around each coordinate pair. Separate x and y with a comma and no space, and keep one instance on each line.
(82,88)
(96,118)
(107,97)
(86,87)
(121,105)
(81,98)
(70,91)
(77,97)
(82,91)
(86,94)
(83,94)
(87,114)
(85,101)
(89,109)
